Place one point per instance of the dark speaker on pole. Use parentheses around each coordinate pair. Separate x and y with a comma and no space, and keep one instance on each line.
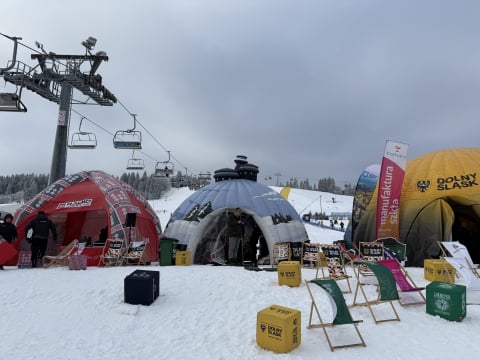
(131,220)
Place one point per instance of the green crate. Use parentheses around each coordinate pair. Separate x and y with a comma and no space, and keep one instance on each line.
(448,301)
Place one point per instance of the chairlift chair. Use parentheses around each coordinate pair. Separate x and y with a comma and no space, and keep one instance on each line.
(12,101)
(135,163)
(164,168)
(128,139)
(83,139)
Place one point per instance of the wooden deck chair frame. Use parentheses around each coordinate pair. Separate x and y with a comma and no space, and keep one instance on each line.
(349,255)
(369,252)
(112,252)
(135,253)
(281,252)
(61,259)
(463,269)
(395,247)
(335,265)
(386,290)
(456,249)
(405,283)
(311,255)
(341,313)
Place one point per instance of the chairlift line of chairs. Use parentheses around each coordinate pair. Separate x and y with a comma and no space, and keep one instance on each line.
(82,139)
(128,139)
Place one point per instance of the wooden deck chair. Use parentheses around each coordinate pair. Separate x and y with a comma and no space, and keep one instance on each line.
(335,265)
(386,290)
(311,255)
(134,253)
(349,254)
(112,252)
(61,259)
(341,313)
(369,252)
(456,249)
(405,283)
(471,278)
(394,249)
(281,252)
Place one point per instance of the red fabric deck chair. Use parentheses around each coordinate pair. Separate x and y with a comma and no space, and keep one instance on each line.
(404,282)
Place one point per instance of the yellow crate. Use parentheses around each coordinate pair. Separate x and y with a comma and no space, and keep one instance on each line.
(182,258)
(279,328)
(289,273)
(438,270)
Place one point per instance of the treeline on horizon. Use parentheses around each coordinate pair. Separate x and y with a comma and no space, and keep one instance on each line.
(23,187)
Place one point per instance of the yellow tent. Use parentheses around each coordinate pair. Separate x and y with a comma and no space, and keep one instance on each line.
(440,201)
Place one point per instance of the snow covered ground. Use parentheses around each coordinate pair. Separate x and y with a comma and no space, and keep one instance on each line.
(203,312)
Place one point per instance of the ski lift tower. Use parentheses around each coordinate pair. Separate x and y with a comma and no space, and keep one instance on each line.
(58,76)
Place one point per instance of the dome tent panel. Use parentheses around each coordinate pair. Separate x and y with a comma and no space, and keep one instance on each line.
(81,205)
(430,232)
(451,175)
(275,216)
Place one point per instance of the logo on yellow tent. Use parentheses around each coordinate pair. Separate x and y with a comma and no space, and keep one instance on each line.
(423,185)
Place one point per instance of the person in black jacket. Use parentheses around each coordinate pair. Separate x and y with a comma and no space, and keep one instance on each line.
(8,230)
(234,235)
(41,226)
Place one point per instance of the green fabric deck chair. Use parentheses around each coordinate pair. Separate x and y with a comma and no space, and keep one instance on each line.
(386,290)
(341,313)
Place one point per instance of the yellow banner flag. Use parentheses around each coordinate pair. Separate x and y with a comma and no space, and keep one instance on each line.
(285,192)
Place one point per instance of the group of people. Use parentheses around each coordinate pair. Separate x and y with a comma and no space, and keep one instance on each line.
(36,233)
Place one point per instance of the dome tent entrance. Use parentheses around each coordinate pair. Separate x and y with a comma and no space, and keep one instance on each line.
(440,201)
(83,204)
(197,222)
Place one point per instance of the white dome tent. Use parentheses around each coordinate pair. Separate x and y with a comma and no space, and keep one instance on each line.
(197,222)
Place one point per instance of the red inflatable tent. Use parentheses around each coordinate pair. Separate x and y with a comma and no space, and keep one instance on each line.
(81,205)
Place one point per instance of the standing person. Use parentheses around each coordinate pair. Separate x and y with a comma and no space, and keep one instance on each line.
(234,234)
(41,226)
(8,231)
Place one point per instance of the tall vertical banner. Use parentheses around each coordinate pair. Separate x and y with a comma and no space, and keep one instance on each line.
(389,187)
(366,185)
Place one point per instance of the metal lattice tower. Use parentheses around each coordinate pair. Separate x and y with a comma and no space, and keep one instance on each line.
(54,78)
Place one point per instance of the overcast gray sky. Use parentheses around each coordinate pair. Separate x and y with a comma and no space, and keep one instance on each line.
(310,89)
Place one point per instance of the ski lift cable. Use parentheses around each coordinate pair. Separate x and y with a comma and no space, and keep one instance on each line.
(149,133)
(91,121)
(109,132)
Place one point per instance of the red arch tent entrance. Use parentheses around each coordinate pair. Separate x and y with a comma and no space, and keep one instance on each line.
(82,204)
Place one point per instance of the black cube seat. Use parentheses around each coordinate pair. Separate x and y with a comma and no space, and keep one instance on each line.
(142,287)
